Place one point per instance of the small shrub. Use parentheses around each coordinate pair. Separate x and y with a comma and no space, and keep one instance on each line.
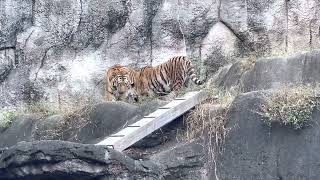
(291,106)
(6,117)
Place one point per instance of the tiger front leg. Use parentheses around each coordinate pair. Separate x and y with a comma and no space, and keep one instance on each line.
(109,96)
(132,97)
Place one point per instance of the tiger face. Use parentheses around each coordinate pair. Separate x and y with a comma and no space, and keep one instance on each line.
(118,82)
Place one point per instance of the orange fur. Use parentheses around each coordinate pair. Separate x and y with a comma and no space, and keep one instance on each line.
(166,78)
(117,82)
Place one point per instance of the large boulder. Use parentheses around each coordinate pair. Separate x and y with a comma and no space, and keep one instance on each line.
(19,130)
(273,72)
(269,73)
(87,125)
(98,122)
(49,128)
(254,150)
(65,160)
(92,123)
(184,161)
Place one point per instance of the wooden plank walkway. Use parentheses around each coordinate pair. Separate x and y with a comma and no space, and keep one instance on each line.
(136,131)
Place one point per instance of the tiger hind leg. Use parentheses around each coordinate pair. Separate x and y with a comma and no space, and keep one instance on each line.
(169,97)
(174,93)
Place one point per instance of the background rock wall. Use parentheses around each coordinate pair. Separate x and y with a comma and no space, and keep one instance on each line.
(53,49)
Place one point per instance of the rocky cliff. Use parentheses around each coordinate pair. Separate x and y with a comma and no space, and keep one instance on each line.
(55,53)
(56,49)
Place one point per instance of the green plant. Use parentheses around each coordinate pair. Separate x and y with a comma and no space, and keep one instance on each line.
(6,117)
(290,106)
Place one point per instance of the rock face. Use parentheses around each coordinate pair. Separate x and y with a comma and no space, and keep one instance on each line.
(63,47)
(185,161)
(254,150)
(59,159)
(19,130)
(273,72)
(88,125)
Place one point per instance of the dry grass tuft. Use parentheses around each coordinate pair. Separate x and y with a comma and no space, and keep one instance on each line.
(291,106)
(207,122)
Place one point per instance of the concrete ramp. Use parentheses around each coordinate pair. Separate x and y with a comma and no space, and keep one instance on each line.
(162,116)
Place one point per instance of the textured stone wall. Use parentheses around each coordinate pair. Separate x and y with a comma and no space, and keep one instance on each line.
(62,47)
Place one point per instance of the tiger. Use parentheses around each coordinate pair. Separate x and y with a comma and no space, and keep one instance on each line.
(118,83)
(165,79)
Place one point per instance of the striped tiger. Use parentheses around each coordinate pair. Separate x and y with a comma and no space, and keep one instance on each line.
(118,82)
(165,79)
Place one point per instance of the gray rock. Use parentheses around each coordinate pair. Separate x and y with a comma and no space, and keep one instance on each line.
(15,16)
(229,76)
(274,72)
(87,125)
(59,159)
(185,161)
(263,152)
(7,61)
(49,128)
(104,119)
(19,130)
(98,122)
(267,73)
(65,160)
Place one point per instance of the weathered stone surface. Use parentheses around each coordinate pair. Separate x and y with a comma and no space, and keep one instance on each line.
(97,122)
(60,159)
(87,125)
(274,72)
(15,16)
(65,46)
(273,26)
(19,130)
(7,62)
(49,128)
(184,161)
(65,160)
(254,150)
(219,47)
(229,76)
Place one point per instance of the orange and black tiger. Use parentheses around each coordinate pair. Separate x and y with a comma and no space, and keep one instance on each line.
(166,78)
(118,82)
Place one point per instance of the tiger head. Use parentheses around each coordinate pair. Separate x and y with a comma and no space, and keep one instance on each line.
(119,79)
(121,83)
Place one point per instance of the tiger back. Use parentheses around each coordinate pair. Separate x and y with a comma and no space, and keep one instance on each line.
(166,78)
